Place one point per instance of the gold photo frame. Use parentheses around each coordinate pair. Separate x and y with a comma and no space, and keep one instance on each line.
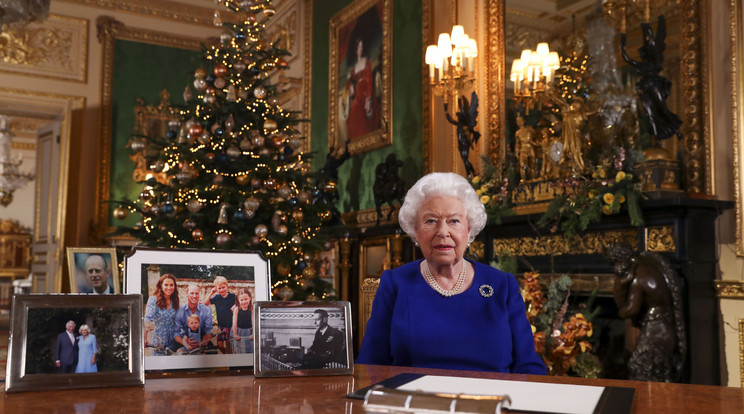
(38,323)
(87,274)
(360,76)
(736,13)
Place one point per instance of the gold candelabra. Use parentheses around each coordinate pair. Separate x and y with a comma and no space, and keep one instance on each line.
(452,61)
(532,74)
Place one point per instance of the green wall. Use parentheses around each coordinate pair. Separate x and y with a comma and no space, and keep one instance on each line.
(141,70)
(356,176)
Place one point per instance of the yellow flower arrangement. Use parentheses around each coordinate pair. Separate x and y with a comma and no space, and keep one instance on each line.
(608,198)
(485,199)
(475,180)
(620,176)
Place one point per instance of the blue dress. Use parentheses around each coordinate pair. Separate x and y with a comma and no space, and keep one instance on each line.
(87,347)
(164,321)
(413,325)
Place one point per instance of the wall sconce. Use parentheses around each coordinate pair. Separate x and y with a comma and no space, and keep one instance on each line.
(452,61)
(533,73)
(11,178)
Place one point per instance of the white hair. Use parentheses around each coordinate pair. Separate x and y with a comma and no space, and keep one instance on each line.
(84,327)
(442,185)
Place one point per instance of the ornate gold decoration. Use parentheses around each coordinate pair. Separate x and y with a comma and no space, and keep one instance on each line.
(56,49)
(496,81)
(428,94)
(660,239)
(741,351)
(152,121)
(557,244)
(382,136)
(108,30)
(368,217)
(736,41)
(729,289)
(368,290)
(157,8)
(284,30)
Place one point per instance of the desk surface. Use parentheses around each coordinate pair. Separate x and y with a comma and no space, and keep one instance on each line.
(243,393)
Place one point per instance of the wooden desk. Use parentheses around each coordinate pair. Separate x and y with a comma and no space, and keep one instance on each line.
(242,393)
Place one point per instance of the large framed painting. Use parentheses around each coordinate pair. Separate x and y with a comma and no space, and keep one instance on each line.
(74,341)
(198,305)
(126,89)
(360,76)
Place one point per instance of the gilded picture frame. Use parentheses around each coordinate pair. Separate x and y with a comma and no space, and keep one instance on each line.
(736,35)
(38,323)
(80,264)
(112,34)
(147,270)
(360,77)
(302,338)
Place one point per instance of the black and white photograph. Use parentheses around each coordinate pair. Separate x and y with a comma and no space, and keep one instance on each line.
(197,305)
(303,338)
(69,339)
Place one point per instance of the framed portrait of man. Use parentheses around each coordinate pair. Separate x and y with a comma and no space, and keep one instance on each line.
(360,76)
(93,270)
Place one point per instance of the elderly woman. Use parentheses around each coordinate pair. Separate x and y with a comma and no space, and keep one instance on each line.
(87,350)
(160,315)
(445,311)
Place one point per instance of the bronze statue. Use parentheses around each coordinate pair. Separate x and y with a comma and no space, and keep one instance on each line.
(388,186)
(653,88)
(526,143)
(467,135)
(574,114)
(648,292)
(327,181)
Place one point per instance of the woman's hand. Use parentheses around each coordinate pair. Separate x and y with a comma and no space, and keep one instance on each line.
(93,360)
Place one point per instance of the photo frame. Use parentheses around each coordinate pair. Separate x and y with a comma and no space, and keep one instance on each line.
(90,275)
(38,324)
(360,77)
(302,338)
(170,340)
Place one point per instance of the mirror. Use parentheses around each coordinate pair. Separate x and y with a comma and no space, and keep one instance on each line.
(529,22)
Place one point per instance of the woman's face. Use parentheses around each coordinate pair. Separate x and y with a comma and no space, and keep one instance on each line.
(360,48)
(245,300)
(84,332)
(168,287)
(442,230)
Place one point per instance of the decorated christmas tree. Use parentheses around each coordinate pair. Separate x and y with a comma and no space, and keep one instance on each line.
(231,173)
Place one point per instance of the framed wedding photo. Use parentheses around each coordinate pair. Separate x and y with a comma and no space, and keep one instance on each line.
(303,338)
(360,76)
(93,270)
(197,305)
(64,341)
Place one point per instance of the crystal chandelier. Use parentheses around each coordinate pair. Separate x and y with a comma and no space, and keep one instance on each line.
(452,61)
(18,13)
(11,178)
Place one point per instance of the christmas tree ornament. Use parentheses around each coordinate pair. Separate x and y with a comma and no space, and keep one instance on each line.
(283,269)
(200,84)
(274,101)
(220,70)
(259,92)
(218,179)
(217,19)
(285,293)
(284,191)
(209,79)
(282,230)
(270,125)
(215,126)
(184,177)
(197,234)
(249,214)
(265,152)
(305,283)
(254,70)
(233,153)
(231,97)
(239,37)
(209,157)
(258,141)
(309,272)
(209,99)
(245,144)
(171,134)
(270,183)
(275,221)
(204,138)
(282,63)
(155,209)
(189,224)
(222,218)
(251,203)
(223,238)
(247,4)
(261,230)
(277,140)
(293,201)
(239,215)
(200,73)
(303,197)
(210,90)
(168,208)
(219,83)
(195,130)
(242,93)
(298,215)
(120,213)
(230,123)
(242,179)
(256,183)
(137,145)
(296,239)
(268,12)
(226,37)
(301,265)
(239,66)
(295,143)
(194,205)
(145,195)
(312,298)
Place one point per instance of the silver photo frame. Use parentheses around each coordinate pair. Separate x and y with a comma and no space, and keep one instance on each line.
(38,323)
(302,338)
(147,268)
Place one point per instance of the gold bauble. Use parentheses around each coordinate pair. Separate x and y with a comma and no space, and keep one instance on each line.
(120,213)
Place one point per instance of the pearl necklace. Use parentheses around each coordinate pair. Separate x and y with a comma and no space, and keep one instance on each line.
(446,293)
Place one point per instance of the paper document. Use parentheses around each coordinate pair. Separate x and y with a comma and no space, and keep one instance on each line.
(525,396)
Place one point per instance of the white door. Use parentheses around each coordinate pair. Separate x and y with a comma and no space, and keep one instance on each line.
(46,250)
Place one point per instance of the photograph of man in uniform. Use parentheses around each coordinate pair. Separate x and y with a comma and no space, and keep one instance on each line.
(328,344)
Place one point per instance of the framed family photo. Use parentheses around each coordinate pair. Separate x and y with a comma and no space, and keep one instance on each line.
(61,341)
(93,270)
(303,338)
(197,305)
(360,77)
